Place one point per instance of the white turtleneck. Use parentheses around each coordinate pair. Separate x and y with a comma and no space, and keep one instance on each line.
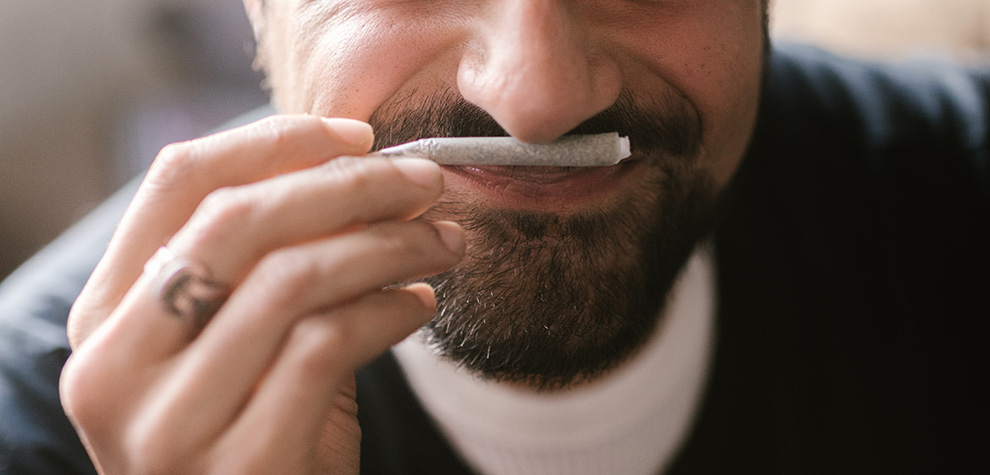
(633,421)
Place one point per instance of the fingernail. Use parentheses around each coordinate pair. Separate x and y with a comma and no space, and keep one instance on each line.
(425,294)
(452,235)
(419,171)
(351,132)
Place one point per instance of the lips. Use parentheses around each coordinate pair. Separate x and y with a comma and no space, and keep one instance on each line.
(532,175)
(538,187)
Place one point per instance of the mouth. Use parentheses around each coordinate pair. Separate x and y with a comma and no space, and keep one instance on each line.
(569,172)
(540,188)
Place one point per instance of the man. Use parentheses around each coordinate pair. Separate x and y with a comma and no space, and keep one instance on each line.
(687,311)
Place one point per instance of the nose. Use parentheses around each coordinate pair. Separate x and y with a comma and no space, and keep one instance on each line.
(536,69)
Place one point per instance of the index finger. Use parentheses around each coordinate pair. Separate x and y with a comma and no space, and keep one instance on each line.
(184,174)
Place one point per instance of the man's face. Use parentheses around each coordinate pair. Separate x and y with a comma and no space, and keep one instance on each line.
(567,269)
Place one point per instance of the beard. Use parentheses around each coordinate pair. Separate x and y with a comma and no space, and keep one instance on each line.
(549,299)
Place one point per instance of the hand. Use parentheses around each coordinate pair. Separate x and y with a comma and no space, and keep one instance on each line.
(307,239)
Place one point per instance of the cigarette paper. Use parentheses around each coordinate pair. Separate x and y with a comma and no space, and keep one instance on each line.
(596,150)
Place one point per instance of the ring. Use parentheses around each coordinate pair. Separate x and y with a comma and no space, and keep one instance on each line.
(186,289)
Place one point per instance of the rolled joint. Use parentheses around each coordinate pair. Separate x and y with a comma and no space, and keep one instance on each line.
(595,150)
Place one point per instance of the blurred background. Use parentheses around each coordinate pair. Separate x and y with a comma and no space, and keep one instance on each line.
(89,91)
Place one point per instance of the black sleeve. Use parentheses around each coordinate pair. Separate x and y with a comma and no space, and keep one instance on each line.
(854,263)
(35,435)
(918,128)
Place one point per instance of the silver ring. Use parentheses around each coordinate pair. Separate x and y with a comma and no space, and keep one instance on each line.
(186,289)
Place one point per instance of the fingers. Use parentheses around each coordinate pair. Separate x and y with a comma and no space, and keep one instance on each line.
(289,282)
(306,242)
(301,387)
(306,245)
(235,226)
(184,174)
(263,337)
(319,276)
(221,368)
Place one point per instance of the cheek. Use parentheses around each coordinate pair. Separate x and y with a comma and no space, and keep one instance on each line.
(714,58)
(348,69)
(733,93)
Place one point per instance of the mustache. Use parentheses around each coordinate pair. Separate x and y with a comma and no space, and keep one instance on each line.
(668,125)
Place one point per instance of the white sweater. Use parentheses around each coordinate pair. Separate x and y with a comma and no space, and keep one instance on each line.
(633,421)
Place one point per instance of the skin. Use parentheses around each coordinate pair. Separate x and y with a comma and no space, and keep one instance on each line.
(279,211)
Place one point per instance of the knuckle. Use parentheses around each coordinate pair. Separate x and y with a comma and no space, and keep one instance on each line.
(290,272)
(174,162)
(415,239)
(279,129)
(221,210)
(320,345)
(80,390)
(226,206)
(351,174)
(397,244)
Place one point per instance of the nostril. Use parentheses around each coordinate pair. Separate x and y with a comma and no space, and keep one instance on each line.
(542,114)
(542,80)
(533,106)
(536,132)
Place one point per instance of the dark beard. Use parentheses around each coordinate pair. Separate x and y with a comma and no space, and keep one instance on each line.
(548,299)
